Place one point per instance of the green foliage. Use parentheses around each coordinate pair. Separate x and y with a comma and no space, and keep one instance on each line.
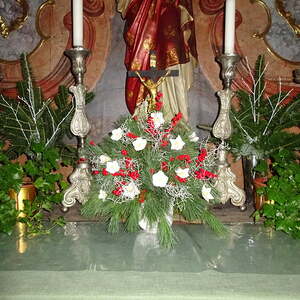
(10,178)
(42,170)
(282,211)
(258,124)
(31,119)
(35,127)
(149,201)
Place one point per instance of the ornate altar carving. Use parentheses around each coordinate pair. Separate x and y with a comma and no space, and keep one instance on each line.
(17,23)
(288,16)
(252,23)
(55,70)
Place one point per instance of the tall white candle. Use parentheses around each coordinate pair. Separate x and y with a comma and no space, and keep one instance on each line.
(77,23)
(229,26)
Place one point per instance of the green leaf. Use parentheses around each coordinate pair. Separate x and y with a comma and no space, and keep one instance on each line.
(41,183)
(31,168)
(47,206)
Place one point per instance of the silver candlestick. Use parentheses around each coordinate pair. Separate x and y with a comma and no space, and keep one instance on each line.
(222,130)
(80,178)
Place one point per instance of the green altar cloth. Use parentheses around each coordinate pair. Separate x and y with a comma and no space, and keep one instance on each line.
(85,262)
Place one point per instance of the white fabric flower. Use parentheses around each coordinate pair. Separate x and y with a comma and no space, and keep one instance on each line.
(102,195)
(206,193)
(182,173)
(117,134)
(160,179)
(104,159)
(130,190)
(112,166)
(193,137)
(139,144)
(158,119)
(177,144)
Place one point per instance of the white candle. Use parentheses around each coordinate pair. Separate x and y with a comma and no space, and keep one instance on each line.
(229,26)
(77,23)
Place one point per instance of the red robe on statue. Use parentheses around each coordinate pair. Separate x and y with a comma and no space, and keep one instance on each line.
(155,25)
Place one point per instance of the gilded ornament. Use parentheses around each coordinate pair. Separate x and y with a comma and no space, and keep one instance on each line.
(37,25)
(129,38)
(263,34)
(136,65)
(6,29)
(169,32)
(288,17)
(148,44)
(172,58)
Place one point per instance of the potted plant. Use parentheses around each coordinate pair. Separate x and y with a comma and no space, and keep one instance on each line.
(282,211)
(31,119)
(35,128)
(260,121)
(11,175)
(45,187)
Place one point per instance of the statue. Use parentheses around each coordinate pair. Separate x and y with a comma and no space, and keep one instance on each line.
(167,27)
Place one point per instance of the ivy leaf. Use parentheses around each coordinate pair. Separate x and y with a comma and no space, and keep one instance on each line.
(31,168)
(64,185)
(37,147)
(52,178)
(52,156)
(268,210)
(60,221)
(47,206)
(41,183)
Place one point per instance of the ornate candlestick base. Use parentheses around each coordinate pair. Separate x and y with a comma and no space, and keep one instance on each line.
(225,183)
(80,178)
(222,129)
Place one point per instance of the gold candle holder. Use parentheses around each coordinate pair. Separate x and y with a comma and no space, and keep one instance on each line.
(27,193)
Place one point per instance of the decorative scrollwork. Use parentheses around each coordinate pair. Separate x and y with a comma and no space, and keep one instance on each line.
(225,183)
(288,17)
(261,35)
(93,8)
(211,7)
(222,127)
(80,186)
(80,125)
(16,24)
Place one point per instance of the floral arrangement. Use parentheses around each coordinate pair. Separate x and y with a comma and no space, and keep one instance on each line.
(149,168)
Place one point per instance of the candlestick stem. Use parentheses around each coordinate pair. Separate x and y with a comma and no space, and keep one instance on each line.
(80,178)
(222,130)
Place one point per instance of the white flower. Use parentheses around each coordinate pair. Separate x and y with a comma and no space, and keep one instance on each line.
(177,144)
(112,167)
(193,137)
(160,179)
(206,193)
(130,190)
(117,134)
(182,173)
(102,195)
(104,159)
(139,144)
(158,119)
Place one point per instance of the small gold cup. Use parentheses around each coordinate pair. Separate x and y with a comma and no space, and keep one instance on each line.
(26,193)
